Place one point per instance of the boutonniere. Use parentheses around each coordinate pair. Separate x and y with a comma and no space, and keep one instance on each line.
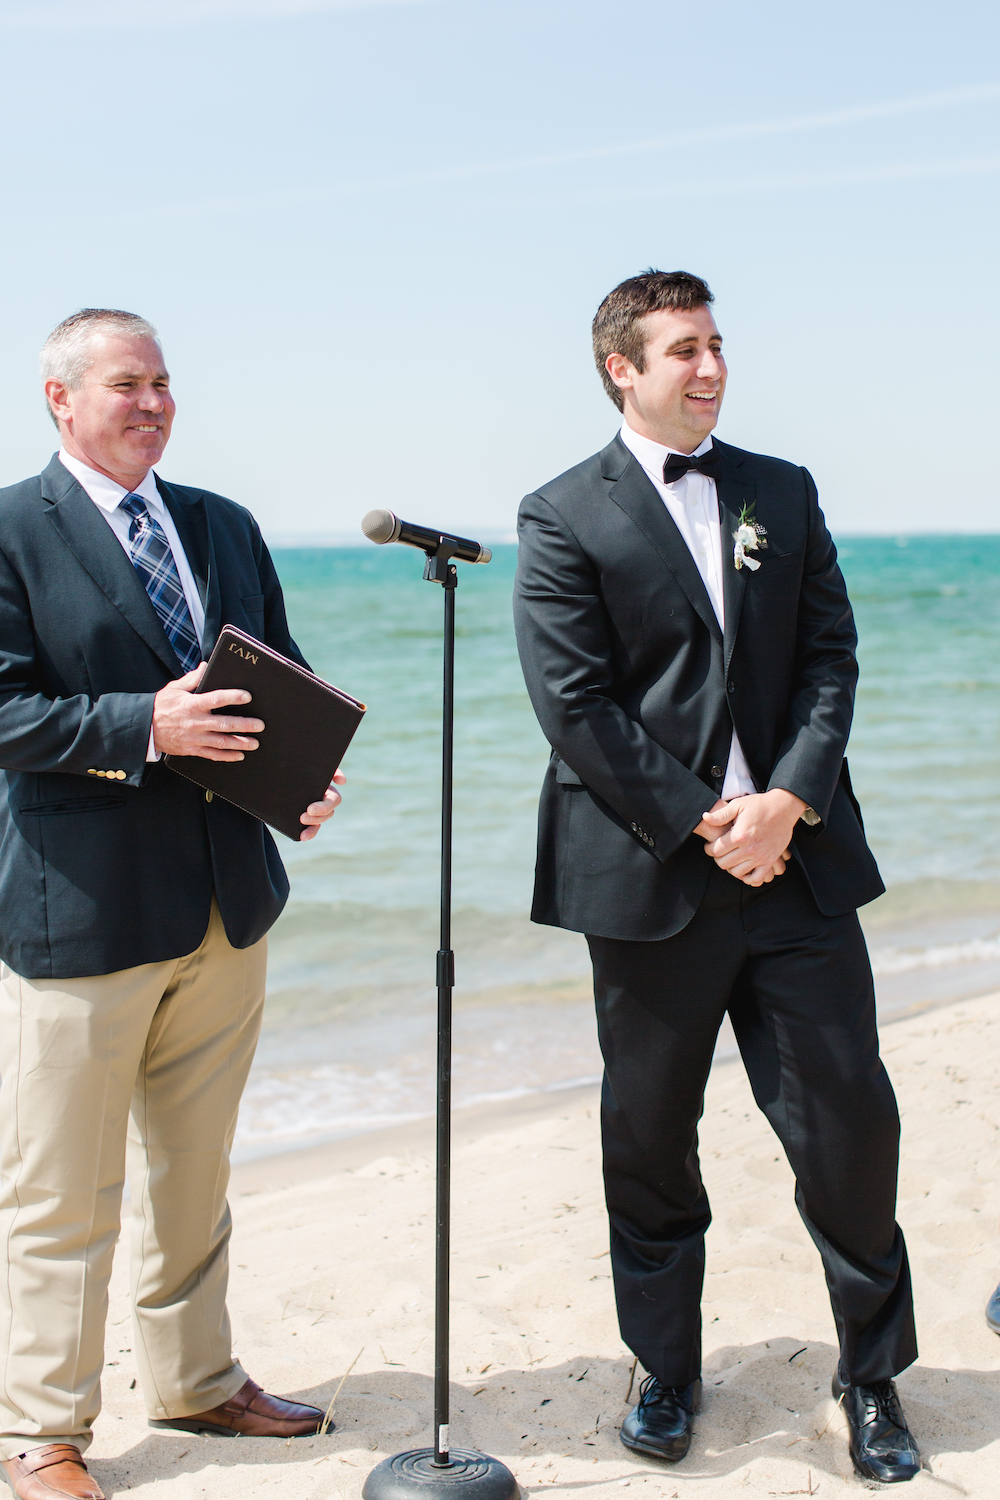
(748,536)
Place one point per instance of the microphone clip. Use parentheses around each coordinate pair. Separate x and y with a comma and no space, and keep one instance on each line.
(439,568)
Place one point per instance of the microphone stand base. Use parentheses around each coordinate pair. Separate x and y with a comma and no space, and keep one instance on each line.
(414,1476)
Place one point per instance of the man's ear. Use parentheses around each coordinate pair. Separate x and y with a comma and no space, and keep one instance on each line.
(56,394)
(620,369)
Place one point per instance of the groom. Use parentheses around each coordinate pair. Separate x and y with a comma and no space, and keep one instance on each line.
(689,650)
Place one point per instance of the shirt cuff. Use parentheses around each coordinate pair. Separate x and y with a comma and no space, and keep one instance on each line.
(151,751)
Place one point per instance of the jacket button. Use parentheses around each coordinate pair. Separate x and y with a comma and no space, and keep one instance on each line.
(208,796)
(718,771)
(120,775)
(730,686)
(635,828)
(91,772)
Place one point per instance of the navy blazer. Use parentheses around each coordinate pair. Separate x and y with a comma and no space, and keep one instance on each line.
(98,873)
(637,689)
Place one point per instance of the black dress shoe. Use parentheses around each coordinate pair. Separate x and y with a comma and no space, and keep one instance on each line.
(993,1312)
(660,1422)
(882,1446)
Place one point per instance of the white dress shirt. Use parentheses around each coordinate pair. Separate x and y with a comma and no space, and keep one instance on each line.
(107,495)
(693,503)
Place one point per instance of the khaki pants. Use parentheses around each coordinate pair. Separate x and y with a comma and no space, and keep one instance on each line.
(156,1057)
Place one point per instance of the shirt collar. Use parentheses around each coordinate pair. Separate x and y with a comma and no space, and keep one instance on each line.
(651,455)
(107,493)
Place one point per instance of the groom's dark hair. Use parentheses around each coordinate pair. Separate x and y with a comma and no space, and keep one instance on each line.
(618,324)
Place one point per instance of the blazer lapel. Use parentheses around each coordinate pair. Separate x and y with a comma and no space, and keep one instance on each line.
(633,493)
(190,516)
(735,490)
(89,537)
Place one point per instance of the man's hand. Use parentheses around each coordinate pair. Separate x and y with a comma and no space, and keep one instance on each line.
(755,845)
(317,813)
(183,722)
(710,832)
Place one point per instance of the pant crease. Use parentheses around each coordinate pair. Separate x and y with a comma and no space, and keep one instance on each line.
(15,1184)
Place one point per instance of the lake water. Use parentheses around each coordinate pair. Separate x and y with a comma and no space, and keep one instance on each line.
(348,1041)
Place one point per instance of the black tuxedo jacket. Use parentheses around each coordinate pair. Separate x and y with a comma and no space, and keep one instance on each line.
(637,689)
(98,873)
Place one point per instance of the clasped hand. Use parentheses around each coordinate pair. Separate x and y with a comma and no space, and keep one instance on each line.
(750,836)
(184,723)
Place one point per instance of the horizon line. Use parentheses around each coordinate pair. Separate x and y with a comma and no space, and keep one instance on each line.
(343,540)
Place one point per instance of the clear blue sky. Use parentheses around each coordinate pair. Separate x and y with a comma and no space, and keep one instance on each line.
(373,236)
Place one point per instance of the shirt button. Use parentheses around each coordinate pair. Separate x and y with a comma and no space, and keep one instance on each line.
(718,771)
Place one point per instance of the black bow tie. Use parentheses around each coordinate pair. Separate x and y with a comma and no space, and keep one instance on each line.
(676,465)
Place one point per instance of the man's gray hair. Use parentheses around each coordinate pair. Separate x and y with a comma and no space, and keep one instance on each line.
(67,353)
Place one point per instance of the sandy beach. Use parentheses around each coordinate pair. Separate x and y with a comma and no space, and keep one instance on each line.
(332,1263)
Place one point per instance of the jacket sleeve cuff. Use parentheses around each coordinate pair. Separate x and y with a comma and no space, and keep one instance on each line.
(801,784)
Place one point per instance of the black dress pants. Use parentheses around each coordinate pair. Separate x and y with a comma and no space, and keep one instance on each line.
(798,988)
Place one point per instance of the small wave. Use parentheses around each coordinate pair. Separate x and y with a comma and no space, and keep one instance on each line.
(324,1103)
(941,956)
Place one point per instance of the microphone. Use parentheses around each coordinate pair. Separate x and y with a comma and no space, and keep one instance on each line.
(381,526)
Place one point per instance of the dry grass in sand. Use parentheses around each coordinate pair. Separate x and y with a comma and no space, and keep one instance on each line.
(332,1254)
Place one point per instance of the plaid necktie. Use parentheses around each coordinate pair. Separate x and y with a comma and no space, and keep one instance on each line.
(155,565)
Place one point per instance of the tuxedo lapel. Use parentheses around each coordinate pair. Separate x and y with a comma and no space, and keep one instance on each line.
(632,492)
(735,490)
(95,546)
(195,532)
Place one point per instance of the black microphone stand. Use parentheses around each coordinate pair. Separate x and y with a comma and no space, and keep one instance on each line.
(442,1470)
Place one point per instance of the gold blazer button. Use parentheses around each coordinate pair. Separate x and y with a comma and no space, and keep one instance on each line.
(208,796)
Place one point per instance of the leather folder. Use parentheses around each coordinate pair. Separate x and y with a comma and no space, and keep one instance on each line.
(308,727)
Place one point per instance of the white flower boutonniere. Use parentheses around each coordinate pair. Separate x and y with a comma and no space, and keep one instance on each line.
(748,536)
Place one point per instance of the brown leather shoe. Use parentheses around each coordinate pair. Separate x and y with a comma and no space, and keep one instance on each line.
(51,1473)
(250,1413)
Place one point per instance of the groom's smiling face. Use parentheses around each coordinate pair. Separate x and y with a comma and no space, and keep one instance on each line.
(676,397)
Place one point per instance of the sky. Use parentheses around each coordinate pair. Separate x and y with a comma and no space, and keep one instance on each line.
(373,235)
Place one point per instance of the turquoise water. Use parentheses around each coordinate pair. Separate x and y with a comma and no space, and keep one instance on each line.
(366,620)
(351,978)
(925,751)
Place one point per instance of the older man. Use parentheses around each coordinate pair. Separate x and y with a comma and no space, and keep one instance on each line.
(133,914)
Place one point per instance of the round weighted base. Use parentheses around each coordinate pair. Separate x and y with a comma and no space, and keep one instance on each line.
(413,1476)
